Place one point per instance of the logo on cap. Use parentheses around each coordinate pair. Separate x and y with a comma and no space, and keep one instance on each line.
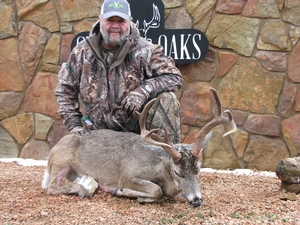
(116,5)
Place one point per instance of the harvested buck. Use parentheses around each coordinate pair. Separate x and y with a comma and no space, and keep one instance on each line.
(147,167)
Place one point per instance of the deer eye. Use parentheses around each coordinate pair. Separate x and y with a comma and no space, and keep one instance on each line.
(178,174)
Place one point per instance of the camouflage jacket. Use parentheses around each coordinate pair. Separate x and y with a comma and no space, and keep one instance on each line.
(137,63)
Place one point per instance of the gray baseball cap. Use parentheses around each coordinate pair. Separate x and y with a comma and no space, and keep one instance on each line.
(119,8)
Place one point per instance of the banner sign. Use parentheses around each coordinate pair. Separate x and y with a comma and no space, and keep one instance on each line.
(183,45)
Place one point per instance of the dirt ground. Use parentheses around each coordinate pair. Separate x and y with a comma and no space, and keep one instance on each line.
(228,199)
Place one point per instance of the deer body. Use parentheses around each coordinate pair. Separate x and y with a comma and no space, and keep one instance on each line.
(122,164)
(125,164)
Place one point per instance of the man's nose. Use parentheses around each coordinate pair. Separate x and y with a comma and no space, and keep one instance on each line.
(115,25)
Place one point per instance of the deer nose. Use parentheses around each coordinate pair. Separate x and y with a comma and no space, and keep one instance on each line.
(196,202)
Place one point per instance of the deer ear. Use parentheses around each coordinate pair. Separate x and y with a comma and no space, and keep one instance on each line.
(189,146)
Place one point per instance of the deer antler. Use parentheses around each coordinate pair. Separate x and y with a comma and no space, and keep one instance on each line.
(219,119)
(152,138)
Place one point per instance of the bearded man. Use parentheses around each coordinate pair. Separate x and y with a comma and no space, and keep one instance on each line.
(116,72)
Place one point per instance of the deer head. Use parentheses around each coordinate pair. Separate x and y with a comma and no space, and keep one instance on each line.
(186,166)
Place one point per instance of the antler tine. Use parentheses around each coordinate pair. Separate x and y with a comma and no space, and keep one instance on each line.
(149,135)
(219,119)
(218,101)
(232,123)
(145,134)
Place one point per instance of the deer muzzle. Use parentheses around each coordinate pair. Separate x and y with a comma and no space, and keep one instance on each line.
(196,202)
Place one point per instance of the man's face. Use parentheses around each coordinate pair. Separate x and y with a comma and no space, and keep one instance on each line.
(114,30)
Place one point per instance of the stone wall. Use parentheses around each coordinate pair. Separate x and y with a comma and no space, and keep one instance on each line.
(253,62)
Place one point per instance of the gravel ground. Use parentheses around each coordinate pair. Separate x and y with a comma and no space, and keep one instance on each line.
(228,199)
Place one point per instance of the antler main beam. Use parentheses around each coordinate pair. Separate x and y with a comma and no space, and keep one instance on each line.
(219,119)
(152,138)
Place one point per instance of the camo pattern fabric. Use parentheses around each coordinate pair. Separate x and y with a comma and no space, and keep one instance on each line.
(166,113)
(102,85)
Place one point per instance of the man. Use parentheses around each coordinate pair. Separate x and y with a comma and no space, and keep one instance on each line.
(115,72)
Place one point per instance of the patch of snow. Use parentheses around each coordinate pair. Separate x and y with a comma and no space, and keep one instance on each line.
(25,162)
(246,172)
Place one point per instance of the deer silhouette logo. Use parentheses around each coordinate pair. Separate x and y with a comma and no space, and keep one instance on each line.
(154,23)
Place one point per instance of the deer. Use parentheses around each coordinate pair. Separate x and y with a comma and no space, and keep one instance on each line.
(146,167)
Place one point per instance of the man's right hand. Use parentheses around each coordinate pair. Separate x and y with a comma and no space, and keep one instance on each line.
(134,100)
(79,130)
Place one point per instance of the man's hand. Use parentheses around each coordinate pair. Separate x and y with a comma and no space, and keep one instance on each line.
(79,130)
(134,100)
